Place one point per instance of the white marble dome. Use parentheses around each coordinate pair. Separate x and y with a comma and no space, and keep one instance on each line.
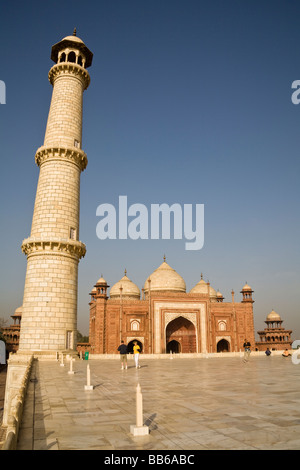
(129,289)
(165,279)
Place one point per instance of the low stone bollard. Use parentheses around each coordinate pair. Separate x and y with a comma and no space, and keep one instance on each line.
(88,386)
(139,429)
(71,372)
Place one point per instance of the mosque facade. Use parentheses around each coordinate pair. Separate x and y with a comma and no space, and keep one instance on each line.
(164,317)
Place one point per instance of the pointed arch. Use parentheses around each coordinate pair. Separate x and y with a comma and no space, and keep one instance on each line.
(182,331)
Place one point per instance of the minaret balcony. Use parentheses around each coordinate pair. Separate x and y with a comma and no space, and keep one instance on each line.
(36,246)
(69,68)
(73,155)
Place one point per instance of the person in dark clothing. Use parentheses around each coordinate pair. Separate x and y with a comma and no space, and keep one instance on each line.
(247,350)
(268,352)
(123,354)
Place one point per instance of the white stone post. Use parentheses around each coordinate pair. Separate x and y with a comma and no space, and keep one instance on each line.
(62,360)
(139,429)
(71,367)
(88,386)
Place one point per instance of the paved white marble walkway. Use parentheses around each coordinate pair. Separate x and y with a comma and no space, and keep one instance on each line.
(214,403)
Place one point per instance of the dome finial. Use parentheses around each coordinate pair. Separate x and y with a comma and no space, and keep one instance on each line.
(125,272)
(201,276)
(74,32)
(164,258)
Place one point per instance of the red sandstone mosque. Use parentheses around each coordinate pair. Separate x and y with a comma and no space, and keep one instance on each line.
(165,317)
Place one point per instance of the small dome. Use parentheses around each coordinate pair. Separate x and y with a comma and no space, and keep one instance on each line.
(273,316)
(246,287)
(73,38)
(219,294)
(129,289)
(202,288)
(165,279)
(101,280)
(18,311)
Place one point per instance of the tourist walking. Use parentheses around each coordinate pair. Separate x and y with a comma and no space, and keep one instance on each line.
(123,354)
(136,352)
(247,350)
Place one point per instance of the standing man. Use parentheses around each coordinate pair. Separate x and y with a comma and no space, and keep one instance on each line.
(123,354)
(247,350)
(136,352)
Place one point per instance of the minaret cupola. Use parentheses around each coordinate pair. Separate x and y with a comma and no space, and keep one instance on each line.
(72,49)
(247,293)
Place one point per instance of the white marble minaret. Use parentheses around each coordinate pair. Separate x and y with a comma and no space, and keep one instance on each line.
(49,314)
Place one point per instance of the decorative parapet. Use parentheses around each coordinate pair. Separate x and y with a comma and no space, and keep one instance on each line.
(36,246)
(18,375)
(73,155)
(69,68)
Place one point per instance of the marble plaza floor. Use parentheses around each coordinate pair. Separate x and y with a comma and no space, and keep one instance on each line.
(211,403)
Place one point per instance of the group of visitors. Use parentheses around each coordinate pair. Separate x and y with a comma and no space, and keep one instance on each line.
(123,354)
(247,351)
(285,353)
(136,351)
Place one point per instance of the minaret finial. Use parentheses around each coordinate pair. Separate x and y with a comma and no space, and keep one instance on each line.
(74,32)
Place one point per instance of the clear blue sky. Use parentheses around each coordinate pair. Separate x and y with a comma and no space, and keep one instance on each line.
(189,102)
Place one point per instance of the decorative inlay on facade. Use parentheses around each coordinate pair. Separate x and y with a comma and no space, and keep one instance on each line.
(69,68)
(227,338)
(170,316)
(75,155)
(31,246)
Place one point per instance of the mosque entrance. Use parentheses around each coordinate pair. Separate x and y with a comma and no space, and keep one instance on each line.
(130,346)
(181,335)
(223,346)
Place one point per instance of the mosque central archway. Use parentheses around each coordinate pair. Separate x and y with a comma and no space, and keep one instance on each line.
(181,335)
